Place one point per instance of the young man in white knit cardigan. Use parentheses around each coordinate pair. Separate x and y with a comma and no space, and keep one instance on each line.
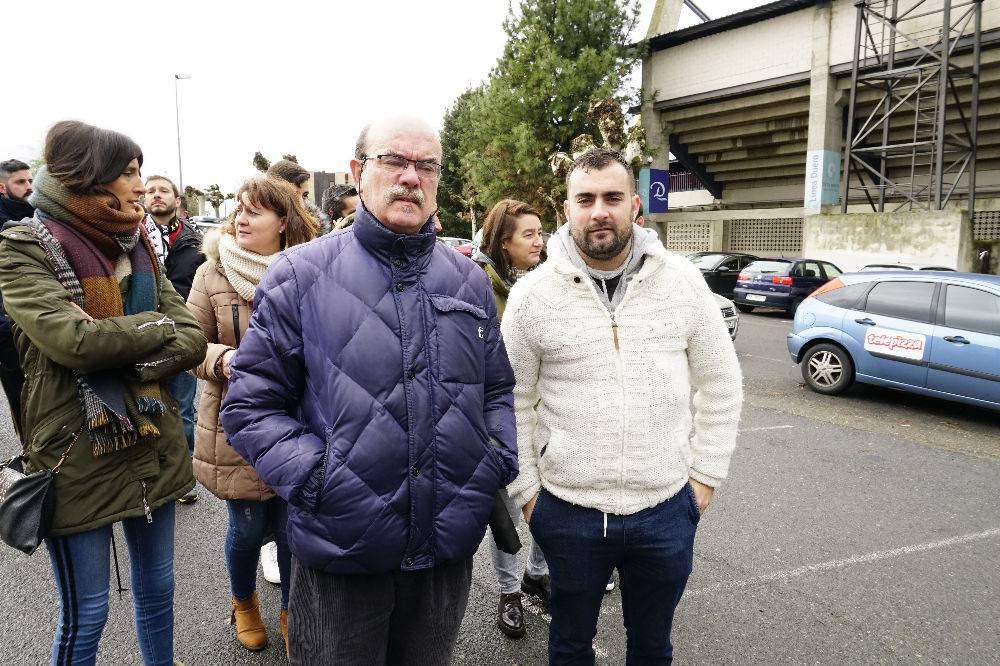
(607,340)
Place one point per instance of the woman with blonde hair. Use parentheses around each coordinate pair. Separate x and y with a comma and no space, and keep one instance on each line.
(269,218)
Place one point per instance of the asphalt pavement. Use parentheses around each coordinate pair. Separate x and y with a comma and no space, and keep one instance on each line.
(854,529)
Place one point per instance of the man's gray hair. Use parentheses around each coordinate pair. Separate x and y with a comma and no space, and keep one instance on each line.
(596,159)
(10,167)
(361,147)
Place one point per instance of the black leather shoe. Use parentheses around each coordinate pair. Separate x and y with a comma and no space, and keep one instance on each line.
(510,615)
(537,587)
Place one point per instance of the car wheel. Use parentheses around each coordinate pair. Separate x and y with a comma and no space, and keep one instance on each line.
(795,306)
(744,308)
(828,369)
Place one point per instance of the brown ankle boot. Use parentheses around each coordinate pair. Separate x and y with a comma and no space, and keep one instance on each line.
(284,628)
(250,629)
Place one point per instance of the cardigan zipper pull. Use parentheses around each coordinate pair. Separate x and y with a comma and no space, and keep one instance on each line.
(614,331)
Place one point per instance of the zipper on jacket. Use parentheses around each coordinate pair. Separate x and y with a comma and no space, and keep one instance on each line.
(145,504)
(614,332)
(236,323)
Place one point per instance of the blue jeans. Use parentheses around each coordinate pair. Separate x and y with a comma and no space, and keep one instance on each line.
(81,563)
(251,524)
(182,387)
(653,551)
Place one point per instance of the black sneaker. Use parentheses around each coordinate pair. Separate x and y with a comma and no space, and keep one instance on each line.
(537,587)
(510,615)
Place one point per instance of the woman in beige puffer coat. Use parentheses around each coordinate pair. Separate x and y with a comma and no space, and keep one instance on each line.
(270,217)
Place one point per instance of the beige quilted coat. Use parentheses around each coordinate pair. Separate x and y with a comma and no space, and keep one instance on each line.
(221,313)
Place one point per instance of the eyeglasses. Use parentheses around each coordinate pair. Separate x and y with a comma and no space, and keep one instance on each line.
(397,164)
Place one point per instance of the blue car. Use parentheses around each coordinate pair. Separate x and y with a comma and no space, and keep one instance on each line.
(781,283)
(933,333)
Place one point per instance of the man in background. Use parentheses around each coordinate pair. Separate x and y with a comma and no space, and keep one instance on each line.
(15,187)
(182,257)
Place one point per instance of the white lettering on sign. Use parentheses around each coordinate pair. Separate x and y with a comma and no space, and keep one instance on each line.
(895,343)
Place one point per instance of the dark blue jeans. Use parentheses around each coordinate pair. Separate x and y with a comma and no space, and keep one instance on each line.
(653,551)
(251,525)
(182,387)
(81,563)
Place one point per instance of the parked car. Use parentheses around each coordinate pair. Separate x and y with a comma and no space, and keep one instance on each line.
(781,283)
(205,223)
(462,245)
(720,269)
(933,333)
(876,268)
(729,314)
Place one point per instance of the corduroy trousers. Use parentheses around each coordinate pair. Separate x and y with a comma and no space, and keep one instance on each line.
(377,619)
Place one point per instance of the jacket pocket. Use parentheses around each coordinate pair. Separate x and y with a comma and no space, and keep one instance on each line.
(311,494)
(564,463)
(460,334)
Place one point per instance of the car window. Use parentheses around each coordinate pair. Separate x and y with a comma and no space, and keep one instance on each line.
(746,261)
(808,269)
(733,264)
(845,297)
(768,267)
(831,270)
(905,300)
(706,261)
(972,310)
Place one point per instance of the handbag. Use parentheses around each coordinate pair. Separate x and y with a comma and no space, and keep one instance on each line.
(27,502)
(502,527)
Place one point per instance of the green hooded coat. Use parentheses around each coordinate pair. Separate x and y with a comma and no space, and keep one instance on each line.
(53,338)
(500,288)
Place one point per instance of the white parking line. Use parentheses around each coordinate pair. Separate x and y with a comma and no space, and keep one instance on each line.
(781,427)
(528,604)
(846,562)
(766,358)
(780,323)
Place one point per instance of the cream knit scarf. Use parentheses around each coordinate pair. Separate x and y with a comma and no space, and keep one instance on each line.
(244,269)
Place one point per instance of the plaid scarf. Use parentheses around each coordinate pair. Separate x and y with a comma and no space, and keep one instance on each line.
(117,412)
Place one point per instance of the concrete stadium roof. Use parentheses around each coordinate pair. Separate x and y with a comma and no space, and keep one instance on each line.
(730,22)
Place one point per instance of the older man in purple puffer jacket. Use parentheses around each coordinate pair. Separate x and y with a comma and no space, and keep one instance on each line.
(372,392)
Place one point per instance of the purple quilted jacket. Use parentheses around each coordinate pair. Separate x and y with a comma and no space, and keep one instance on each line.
(373,392)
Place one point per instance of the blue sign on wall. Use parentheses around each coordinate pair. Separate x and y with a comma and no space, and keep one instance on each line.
(654,188)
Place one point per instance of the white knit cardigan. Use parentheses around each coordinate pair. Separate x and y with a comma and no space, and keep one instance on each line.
(603,401)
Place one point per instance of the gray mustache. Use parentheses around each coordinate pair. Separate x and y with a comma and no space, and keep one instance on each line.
(398,192)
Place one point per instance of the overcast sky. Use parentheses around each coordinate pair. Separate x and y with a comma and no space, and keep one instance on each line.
(279,77)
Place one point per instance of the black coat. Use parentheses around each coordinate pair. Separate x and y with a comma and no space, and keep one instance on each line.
(183,259)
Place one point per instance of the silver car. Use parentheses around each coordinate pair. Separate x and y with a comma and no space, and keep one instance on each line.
(729,313)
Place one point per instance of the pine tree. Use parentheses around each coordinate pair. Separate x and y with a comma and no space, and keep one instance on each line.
(559,57)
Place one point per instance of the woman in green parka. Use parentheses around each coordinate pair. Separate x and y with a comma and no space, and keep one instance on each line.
(99,330)
(511,246)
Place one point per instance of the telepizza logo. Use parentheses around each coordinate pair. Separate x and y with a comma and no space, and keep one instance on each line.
(894,342)
(901,344)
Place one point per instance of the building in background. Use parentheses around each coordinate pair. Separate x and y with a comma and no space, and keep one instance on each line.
(752,111)
(323,179)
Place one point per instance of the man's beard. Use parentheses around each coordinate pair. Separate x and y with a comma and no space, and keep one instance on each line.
(619,242)
(166,210)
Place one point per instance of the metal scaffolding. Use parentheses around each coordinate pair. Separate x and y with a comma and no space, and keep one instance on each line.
(918,140)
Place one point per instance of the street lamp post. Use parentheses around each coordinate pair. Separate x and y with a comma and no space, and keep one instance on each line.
(177,113)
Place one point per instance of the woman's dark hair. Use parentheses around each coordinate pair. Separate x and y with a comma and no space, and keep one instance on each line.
(83,157)
(499,227)
(289,171)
